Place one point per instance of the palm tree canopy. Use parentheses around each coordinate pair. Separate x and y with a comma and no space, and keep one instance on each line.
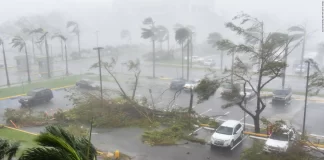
(75,26)
(60,36)
(213,38)
(124,33)
(17,41)
(147,33)
(296,29)
(182,34)
(148,21)
(38,30)
(162,33)
(8,149)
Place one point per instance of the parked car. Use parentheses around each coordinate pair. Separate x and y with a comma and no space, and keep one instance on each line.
(191,84)
(227,133)
(280,141)
(177,84)
(36,96)
(249,93)
(87,84)
(209,62)
(282,95)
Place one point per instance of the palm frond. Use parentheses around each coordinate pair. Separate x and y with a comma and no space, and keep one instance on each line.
(45,153)
(71,23)
(60,36)
(38,30)
(26,30)
(177,26)
(182,34)
(213,38)
(148,21)
(12,150)
(17,41)
(50,140)
(147,33)
(296,29)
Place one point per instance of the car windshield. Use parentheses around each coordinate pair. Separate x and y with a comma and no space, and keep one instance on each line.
(279,136)
(224,130)
(281,92)
(31,93)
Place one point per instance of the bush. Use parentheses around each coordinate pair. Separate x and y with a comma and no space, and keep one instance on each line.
(24,117)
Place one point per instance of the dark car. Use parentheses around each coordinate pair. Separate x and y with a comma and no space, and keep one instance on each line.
(177,84)
(87,84)
(282,95)
(36,96)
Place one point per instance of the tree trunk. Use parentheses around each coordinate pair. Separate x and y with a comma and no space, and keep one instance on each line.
(66,61)
(191,50)
(232,70)
(256,120)
(190,106)
(62,50)
(5,63)
(221,61)
(182,67)
(188,60)
(136,83)
(79,43)
(47,59)
(284,69)
(153,59)
(33,49)
(27,62)
(302,54)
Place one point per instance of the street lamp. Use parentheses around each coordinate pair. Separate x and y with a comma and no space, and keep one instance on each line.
(306,94)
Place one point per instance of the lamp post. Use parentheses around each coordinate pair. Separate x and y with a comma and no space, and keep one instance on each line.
(306,94)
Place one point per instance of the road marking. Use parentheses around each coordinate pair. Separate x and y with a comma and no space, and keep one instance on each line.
(238,143)
(222,116)
(195,131)
(243,118)
(205,111)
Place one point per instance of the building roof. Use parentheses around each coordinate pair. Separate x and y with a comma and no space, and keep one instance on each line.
(230,123)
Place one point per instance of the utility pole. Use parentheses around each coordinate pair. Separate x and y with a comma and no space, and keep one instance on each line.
(306,94)
(97,38)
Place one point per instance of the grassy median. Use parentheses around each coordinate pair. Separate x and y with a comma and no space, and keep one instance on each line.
(51,83)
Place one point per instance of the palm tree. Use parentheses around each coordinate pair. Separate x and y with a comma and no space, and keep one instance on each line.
(5,61)
(150,33)
(8,149)
(62,38)
(183,35)
(125,34)
(56,143)
(163,35)
(212,39)
(75,30)
(300,30)
(17,41)
(43,38)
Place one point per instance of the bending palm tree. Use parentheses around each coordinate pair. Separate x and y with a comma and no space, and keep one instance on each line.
(163,35)
(150,33)
(75,30)
(20,43)
(181,36)
(302,31)
(62,38)
(8,149)
(58,144)
(125,34)
(43,38)
(213,38)
(5,61)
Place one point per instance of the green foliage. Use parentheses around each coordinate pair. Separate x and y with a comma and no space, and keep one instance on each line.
(77,130)
(206,88)
(24,117)
(8,149)
(182,35)
(18,42)
(213,38)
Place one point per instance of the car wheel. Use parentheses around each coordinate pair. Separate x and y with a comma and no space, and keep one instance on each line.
(232,144)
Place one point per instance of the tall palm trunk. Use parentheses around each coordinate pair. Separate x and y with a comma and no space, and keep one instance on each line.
(27,62)
(302,54)
(47,59)
(153,43)
(66,60)
(33,49)
(188,62)
(221,61)
(79,43)
(182,68)
(191,50)
(62,50)
(232,70)
(5,63)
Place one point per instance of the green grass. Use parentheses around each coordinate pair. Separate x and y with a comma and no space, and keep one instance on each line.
(52,83)
(25,139)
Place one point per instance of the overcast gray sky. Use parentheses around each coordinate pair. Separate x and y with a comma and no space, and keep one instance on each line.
(281,13)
